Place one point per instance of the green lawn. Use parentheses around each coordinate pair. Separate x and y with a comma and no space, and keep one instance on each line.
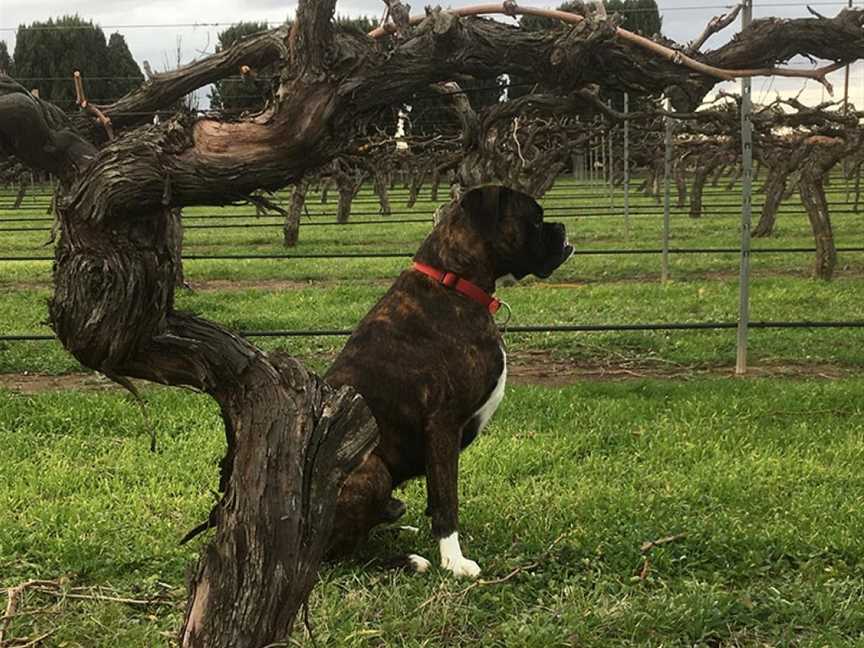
(333,293)
(590,223)
(340,306)
(763,476)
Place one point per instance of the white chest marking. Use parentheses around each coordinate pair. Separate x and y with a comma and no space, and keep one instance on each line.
(488,408)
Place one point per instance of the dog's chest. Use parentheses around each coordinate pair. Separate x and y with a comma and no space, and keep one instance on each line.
(484,413)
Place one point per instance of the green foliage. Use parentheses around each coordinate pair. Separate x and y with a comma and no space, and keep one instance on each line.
(236,93)
(360,25)
(121,65)
(237,32)
(5,59)
(45,58)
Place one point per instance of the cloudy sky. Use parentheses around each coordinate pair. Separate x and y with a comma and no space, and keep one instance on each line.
(154,29)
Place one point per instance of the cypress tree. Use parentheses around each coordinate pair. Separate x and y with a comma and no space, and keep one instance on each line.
(5,59)
(47,53)
(127,75)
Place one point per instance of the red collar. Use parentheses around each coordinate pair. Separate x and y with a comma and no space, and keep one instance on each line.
(492,304)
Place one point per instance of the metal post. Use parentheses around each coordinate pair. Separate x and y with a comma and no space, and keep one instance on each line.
(845,112)
(595,168)
(603,160)
(667,166)
(611,158)
(846,85)
(584,162)
(746,207)
(603,165)
(626,169)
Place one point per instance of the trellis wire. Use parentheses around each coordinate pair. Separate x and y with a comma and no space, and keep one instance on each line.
(557,328)
(402,255)
(43,198)
(257,224)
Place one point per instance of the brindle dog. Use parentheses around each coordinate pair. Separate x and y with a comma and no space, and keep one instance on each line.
(429,362)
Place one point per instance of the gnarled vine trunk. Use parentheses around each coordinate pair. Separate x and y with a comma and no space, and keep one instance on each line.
(774,190)
(290,438)
(380,184)
(291,228)
(300,440)
(325,188)
(822,153)
(419,175)
(781,159)
(436,183)
(681,184)
(174,236)
(19,197)
(705,166)
(348,179)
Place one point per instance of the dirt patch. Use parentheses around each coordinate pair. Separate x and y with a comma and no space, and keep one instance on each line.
(228,285)
(560,374)
(36,383)
(523,368)
(224,285)
(542,368)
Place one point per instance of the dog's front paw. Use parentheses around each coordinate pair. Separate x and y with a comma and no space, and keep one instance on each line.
(462,567)
(452,559)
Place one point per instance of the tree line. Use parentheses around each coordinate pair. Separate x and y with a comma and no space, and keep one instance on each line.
(47,53)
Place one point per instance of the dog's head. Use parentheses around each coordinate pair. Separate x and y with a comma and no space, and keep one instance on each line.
(511,223)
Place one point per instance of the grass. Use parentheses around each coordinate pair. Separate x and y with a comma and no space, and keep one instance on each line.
(588,230)
(334,293)
(763,477)
(340,306)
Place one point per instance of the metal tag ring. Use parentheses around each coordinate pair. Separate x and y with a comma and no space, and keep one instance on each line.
(503,326)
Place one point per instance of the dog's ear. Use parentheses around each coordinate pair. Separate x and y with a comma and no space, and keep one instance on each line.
(485,205)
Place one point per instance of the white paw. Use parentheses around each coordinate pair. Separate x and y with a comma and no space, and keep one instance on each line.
(452,559)
(462,567)
(419,563)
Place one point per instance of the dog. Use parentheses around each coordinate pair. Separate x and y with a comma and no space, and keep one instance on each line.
(429,361)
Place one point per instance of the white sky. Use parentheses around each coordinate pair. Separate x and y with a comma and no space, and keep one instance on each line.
(144,26)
